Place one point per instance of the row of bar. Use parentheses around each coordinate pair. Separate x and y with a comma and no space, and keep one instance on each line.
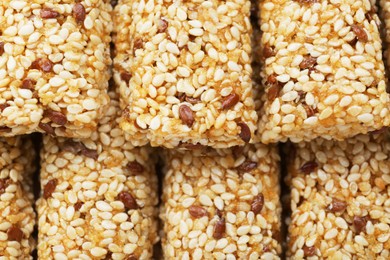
(183,69)
(99,200)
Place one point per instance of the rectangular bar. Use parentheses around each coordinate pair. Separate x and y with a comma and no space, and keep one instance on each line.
(223,204)
(323,70)
(99,198)
(54,66)
(183,69)
(340,199)
(17,216)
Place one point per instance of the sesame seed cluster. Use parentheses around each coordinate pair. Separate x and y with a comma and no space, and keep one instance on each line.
(223,204)
(184,71)
(340,199)
(99,196)
(17,217)
(322,70)
(54,66)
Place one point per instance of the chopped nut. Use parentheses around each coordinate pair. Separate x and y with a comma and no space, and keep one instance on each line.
(247,166)
(359,223)
(186,115)
(337,206)
(1,48)
(257,204)
(3,106)
(197,211)
(15,234)
(48,13)
(78,205)
(79,12)
(135,167)
(128,200)
(47,128)
(162,26)
(308,62)
(49,188)
(360,33)
(42,64)
(28,84)
(268,51)
(309,167)
(230,101)
(138,44)
(3,185)
(275,87)
(245,133)
(219,228)
(56,117)
(126,76)
(309,250)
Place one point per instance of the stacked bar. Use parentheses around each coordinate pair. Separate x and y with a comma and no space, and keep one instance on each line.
(183,69)
(99,196)
(340,199)
(17,217)
(222,205)
(54,60)
(323,70)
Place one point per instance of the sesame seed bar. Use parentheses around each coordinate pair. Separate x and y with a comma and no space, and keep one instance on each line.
(222,205)
(17,216)
(340,199)
(322,70)
(99,196)
(184,71)
(54,60)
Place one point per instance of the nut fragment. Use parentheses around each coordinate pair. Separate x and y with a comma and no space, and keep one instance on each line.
(47,128)
(245,133)
(28,84)
(49,188)
(257,204)
(359,223)
(360,33)
(337,206)
(268,51)
(308,62)
(219,228)
(135,167)
(79,148)
(79,12)
(197,211)
(48,13)
(309,167)
(186,115)
(3,185)
(42,64)
(55,116)
(15,234)
(309,250)
(1,48)
(230,101)
(162,26)
(247,166)
(128,200)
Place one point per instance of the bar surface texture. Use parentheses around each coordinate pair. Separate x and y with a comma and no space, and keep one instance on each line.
(322,70)
(184,71)
(222,205)
(99,198)
(17,216)
(54,66)
(340,199)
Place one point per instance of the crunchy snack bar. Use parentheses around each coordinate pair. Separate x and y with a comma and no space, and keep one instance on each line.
(322,70)
(98,196)
(183,69)
(17,216)
(340,199)
(54,60)
(222,205)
